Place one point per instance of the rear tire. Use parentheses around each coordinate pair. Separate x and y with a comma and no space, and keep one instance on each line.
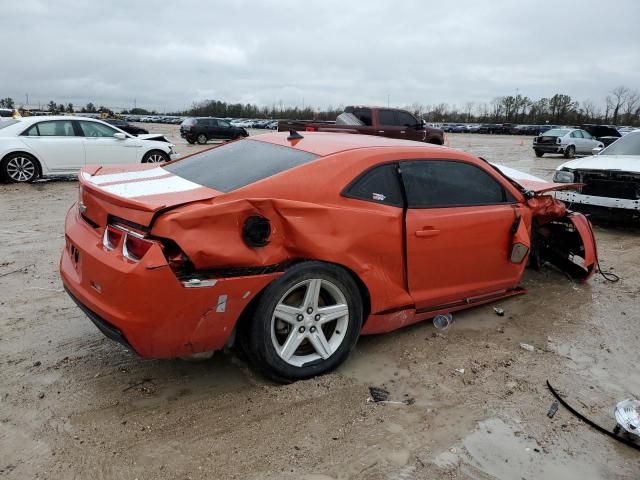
(155,156)
(19,168)
(191,141)
(570,152)
(201,139)
(305,323)
(539,153)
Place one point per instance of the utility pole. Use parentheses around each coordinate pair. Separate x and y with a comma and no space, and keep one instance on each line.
(388,96)
(135,104)
(27,95)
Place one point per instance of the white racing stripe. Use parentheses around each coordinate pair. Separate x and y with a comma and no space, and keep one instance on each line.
(157,186)
(126,176)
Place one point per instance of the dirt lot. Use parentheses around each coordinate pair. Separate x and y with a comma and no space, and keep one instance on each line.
(75,405)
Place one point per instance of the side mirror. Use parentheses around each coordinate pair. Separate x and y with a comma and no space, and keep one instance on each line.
(596,150)
(120,136)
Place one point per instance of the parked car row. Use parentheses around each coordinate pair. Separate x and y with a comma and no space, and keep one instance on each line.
(605,133)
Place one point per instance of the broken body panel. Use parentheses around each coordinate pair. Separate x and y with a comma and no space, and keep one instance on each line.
(197,255)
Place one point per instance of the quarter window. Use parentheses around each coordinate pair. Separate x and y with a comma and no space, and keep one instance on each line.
(378,185)
(442,183)
(94,129)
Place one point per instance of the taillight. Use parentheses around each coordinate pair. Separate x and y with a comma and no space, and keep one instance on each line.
(177,260)
(310,129)
(135,248)
(133,244)
(112,237)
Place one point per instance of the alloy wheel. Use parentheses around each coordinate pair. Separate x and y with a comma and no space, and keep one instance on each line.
(21,169)
(310,322)
(155,158)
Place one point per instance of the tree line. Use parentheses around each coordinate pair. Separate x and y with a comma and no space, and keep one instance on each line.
(621,107)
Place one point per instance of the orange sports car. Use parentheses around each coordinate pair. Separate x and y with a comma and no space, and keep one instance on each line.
(293,246)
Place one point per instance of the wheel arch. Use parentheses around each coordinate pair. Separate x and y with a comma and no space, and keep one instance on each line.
(39,163)
(245,317)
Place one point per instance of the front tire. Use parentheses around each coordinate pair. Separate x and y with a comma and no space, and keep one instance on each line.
(201,139)
(155,156)
(305,324)
(539,153)
(570,152)
(19,168)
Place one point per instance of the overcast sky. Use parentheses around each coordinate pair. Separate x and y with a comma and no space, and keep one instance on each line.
(166,55)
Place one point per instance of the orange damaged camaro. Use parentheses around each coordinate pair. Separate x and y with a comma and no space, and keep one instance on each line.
(292,246)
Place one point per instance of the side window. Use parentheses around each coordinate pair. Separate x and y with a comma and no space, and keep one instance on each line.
(224,124)
(94,129)
(386,117)
(378,185)
(586,134)
(60,128)
(442,183)
(406,119)
(576,134)
(211,122)
(364,115)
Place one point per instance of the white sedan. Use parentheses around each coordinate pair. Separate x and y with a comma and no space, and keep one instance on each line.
(59,146)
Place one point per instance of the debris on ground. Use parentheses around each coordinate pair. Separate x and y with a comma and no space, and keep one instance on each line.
(378,394)
(527,347)
(552,410)
(627,415)
(460,370)
(21,269)
(443,321)
(499,311)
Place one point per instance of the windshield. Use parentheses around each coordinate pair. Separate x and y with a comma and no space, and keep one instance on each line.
(556,132)
(627,145)
(237,164)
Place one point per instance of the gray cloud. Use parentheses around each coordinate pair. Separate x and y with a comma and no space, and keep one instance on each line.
(166,55)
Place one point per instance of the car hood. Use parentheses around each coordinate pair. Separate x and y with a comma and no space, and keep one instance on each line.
(135,193)
(153,136)
(532,183)
(626,163)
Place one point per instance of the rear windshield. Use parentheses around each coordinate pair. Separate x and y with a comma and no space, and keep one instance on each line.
(189,121)
(237,164)
(6,113)
(627,145)
(7,123)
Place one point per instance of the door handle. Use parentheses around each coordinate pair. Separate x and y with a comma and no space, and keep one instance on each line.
(427,233)
(402,131)
(380,131)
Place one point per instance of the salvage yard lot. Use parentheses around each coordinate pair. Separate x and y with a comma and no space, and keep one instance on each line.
(76,405)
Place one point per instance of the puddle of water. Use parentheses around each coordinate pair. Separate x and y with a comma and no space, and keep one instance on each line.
(494,449)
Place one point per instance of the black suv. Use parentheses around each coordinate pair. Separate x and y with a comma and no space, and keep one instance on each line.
(126,126)
(203,129)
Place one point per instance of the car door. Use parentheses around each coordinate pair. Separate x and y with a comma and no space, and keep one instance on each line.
(578,141)
(56,144)
(102,148)
(223,129)
(458,232)
(410,129)
(387,126)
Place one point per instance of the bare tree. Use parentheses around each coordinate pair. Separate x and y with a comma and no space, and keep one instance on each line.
(631,106)
(618,98)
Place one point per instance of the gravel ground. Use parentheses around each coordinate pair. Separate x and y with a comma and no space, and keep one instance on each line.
(76,405)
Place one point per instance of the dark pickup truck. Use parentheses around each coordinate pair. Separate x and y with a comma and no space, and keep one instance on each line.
(384,122)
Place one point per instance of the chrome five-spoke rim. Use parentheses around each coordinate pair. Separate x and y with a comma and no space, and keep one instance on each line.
(309,322)
(21,169)
(155,158)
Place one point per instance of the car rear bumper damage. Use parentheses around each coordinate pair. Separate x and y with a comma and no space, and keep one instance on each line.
(143,305)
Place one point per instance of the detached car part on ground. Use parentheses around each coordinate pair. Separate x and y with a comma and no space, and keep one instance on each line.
(35,147)
(611,180)
(293,246)
(565,141)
